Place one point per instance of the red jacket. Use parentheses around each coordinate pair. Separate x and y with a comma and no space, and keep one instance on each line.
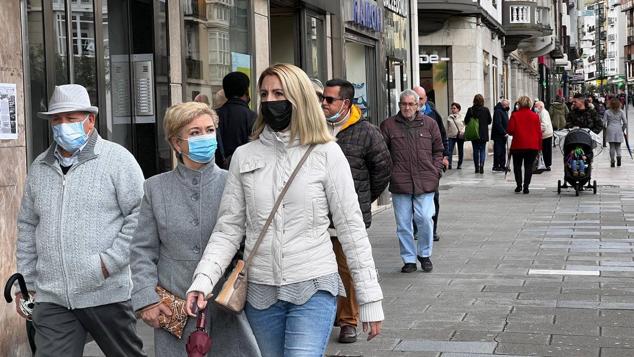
(526,130)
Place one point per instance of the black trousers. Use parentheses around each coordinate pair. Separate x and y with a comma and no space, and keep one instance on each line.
(62,332)
(547,151)
(499,153)
(527,159)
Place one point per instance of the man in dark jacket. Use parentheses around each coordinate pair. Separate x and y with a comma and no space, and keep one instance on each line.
(416,148)
(427,108)
(236,119)
(582,116)
(499,135)
(371,166)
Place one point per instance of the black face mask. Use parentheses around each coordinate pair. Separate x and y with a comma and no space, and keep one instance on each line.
(277,114)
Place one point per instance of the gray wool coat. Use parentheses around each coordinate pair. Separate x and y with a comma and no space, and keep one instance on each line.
(178,214)
(614,122)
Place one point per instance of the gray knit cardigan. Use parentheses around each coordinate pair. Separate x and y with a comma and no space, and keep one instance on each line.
(68,224)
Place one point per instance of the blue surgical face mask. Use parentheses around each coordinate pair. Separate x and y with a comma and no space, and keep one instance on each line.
(202,148)
(70,136)
(335,117)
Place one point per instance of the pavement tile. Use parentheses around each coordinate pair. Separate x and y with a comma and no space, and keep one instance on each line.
(539,350)
(616,352)
(592,341)
(445,346)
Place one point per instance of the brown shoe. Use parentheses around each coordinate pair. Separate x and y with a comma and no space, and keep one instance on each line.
(348,334)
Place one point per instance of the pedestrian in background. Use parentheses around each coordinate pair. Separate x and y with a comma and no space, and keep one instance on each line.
(236,118)
(427,108)
(615,124)
(558,112)
(77,217)
(455,134)
(293,280)
(416,148)
(371,166)
(499,135)
(547,134)
(526,130)
(177,216)
(482,113)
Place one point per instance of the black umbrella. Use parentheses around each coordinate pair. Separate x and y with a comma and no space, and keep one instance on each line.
(627,143)
(26,304)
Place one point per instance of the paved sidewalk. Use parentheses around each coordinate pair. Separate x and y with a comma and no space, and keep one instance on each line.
(514,275)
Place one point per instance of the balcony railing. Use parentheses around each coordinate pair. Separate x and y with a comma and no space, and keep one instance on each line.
(520,14)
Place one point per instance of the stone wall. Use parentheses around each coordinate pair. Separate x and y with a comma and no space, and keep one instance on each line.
(12,176)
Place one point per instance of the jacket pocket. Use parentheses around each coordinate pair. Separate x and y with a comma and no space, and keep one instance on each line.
(248,173)
(319,217)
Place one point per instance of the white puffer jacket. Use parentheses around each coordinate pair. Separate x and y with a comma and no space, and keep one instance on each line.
(297,245)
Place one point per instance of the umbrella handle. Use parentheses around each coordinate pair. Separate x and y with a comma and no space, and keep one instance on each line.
(200,321)
(9,285)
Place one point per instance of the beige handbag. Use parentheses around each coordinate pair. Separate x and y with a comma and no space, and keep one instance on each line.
(233,295)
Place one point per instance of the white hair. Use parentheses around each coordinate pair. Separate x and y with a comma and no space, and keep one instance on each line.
(409,93)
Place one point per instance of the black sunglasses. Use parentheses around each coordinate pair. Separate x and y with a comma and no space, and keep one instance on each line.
(329,100)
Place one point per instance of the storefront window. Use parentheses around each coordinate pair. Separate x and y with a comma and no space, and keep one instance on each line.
(359,67)
(315,47)
(434,65)
(83,42)
(38,139)
(216,43)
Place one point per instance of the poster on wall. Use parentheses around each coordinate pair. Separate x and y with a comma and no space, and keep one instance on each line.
(8,113)
(241,62)
(360,98)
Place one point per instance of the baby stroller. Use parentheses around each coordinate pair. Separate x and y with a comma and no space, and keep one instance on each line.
(575,139)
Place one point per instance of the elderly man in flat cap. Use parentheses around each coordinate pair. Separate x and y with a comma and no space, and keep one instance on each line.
(78,214)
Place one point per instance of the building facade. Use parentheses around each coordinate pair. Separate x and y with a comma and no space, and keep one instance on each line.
(138,57)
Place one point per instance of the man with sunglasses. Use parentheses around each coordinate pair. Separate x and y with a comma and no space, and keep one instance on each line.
(77,217)
(371,165)
(416,147)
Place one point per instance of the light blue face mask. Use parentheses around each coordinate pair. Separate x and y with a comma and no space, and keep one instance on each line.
(70,136)
(202,148)
(335,117)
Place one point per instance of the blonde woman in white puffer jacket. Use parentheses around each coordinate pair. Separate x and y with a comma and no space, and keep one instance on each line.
(293,279)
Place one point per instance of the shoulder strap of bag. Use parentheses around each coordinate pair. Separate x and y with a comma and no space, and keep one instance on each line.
(278,201)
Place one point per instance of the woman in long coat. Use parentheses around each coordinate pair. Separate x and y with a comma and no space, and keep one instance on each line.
(177,216)
(615,123)
(482,113)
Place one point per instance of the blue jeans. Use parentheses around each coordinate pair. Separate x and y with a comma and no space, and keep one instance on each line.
(479,152)
(290,330)
(578,165)
(452,142)
(420,209)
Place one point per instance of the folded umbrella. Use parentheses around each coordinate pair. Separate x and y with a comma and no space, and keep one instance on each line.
(199,342)
(26,304)
(627,143)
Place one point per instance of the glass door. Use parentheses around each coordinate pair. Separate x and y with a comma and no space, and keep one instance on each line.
(360,71)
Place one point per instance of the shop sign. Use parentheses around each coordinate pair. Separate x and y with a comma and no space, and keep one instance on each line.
(397,6)
(432,59)
(367,14)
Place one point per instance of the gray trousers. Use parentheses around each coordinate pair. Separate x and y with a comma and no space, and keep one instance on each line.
(62,332)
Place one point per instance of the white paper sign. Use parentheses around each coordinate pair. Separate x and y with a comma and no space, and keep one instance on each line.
(8,112)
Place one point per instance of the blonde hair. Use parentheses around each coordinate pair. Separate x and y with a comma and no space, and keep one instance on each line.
(524,102)
(180,115)
(307,121)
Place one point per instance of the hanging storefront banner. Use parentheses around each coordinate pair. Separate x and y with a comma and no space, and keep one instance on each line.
(8,115)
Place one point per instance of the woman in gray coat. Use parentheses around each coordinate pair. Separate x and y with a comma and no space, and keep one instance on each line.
(177,216)
(615,123)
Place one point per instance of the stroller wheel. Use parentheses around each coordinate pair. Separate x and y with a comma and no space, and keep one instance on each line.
(594,187)
(558,187)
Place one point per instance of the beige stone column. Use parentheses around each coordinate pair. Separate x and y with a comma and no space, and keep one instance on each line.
(261,43)
(175,25)
(12,174)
